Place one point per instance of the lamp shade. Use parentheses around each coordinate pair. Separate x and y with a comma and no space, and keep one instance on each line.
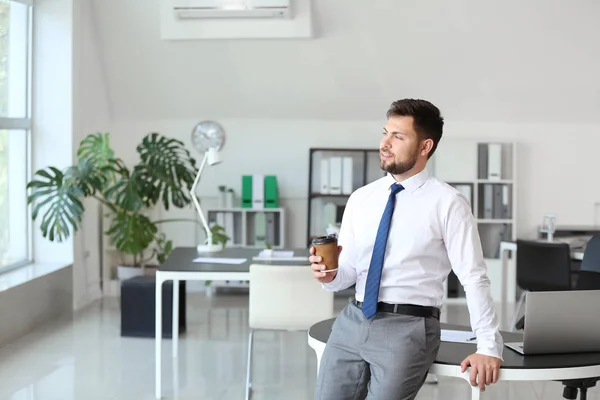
(213,157)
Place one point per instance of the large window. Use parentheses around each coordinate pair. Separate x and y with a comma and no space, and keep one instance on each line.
(15,134)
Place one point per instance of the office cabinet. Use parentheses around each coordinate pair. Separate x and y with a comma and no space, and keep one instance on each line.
(250,227)
(483,171)
(334,173)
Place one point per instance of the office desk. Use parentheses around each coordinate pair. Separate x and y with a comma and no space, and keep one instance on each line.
(514,368)
(181,267)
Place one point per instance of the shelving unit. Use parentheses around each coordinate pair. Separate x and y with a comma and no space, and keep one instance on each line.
(241,226)
(485,171)
(485,175)
(326,201)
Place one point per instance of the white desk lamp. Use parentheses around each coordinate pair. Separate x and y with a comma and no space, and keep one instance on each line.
(208,137)
(211,157)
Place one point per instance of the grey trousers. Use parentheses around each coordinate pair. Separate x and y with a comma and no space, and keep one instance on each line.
(384,358)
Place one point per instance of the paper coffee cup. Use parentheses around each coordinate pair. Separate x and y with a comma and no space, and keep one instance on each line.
(327,248)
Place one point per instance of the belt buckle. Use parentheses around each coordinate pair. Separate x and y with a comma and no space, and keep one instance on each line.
(395,309)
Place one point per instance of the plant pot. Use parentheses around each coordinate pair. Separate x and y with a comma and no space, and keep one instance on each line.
(222,199)
(229,200)
(267,253)
(125,272)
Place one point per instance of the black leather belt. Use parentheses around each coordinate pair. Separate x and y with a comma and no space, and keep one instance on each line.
(406,309)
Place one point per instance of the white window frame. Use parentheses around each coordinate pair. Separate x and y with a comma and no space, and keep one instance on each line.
(15,163)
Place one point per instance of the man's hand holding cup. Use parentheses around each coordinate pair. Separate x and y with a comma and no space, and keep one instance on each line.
(324,255)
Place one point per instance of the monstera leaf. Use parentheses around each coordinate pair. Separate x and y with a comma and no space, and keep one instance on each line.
(97,163)
(95,149)
(86,177)
(61,199)
(167,170)
(131,233)
(126,191)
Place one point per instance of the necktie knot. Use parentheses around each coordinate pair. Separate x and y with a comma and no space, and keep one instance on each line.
(396,187)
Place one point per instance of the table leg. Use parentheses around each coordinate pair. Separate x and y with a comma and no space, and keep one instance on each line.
(318,362)
(158,336)
(504,295)
(507,260)
(175,328)
(476,393)
(175,379)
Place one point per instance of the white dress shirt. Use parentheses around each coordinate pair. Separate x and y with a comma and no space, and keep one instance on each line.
(433,231)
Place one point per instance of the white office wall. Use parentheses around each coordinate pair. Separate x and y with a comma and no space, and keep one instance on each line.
(69,101)
(533,61)
(52,105)
(91,113)
(554,174)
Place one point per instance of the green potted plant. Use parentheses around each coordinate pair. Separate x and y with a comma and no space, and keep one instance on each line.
(164,173)
(219,236)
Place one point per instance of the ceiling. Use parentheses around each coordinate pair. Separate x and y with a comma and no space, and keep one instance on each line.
(534,61)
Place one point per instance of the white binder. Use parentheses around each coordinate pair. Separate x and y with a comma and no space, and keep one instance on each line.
(324,186)
(488,201)
(494,161)
(506,211)
(347,175)
(258,191)
(335,175)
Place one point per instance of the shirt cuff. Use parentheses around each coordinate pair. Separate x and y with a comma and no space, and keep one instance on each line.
(335,284)
(490,349)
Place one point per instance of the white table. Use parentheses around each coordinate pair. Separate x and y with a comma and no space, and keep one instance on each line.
(180,267)
(514,368)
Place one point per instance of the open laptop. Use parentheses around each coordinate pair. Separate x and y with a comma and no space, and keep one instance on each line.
(560,322)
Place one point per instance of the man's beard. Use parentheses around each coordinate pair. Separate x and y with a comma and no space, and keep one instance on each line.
(399,168)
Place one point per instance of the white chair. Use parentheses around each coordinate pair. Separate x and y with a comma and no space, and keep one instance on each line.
(284,297)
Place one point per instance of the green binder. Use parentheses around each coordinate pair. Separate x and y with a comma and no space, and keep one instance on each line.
(271,193)
(247,191)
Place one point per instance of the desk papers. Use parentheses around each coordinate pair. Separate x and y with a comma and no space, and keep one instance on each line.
(298,258)
(449,335)
(278,255)
(212,260)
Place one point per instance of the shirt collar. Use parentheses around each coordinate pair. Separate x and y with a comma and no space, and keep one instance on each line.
(411,184)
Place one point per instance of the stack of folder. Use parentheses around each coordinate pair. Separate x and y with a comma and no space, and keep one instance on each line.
(336,175)
(259,191)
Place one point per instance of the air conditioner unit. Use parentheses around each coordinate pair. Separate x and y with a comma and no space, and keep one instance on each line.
(198,9)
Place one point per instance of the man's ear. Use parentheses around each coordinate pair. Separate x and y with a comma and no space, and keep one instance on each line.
(426,147)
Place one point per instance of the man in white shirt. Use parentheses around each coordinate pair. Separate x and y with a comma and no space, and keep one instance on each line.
(400,237)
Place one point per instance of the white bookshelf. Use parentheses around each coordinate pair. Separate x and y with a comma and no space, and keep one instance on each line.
(485,171)
(240,225)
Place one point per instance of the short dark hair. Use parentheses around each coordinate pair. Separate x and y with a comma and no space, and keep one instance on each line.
(427,119)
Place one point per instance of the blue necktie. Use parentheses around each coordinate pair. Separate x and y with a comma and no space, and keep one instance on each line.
(374,276)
